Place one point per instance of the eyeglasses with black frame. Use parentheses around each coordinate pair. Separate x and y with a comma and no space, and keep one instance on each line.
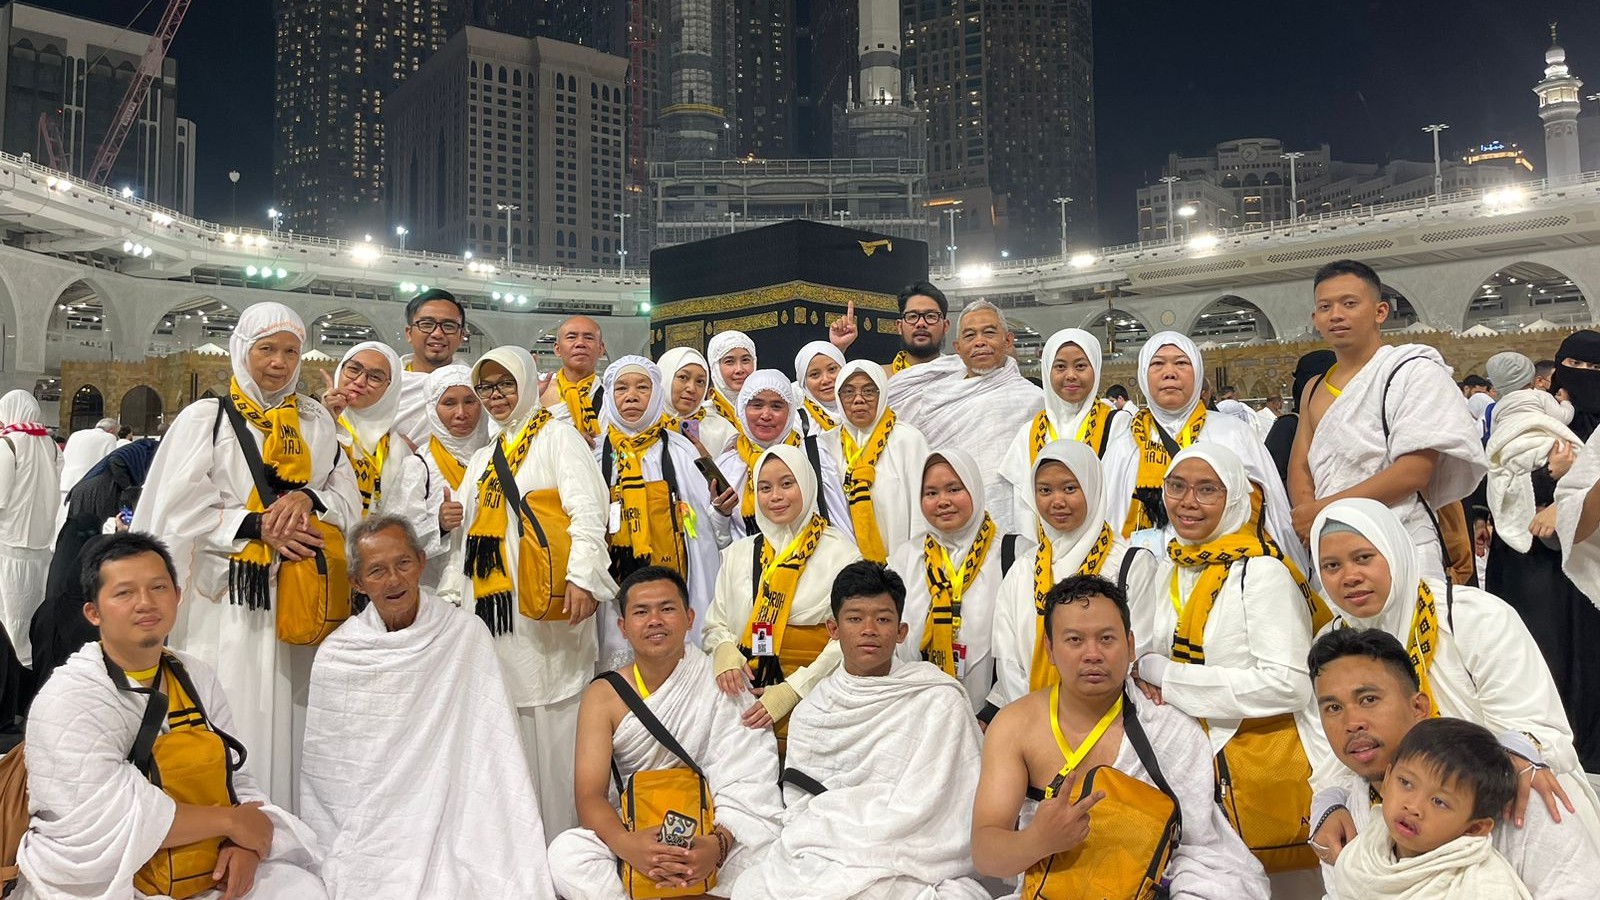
(428,326)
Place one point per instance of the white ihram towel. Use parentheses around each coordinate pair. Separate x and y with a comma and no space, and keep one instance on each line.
(1525,430)
(1467,868)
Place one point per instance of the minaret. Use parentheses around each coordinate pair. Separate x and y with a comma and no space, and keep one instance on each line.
(879,28)
(1559,102)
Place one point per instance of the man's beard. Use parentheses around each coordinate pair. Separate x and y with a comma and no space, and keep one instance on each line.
(931,351)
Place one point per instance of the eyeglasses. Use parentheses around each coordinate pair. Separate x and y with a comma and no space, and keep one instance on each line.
(427,326)
(1204,494)
(354,371)
(506,389)
(848,394)
(922,318)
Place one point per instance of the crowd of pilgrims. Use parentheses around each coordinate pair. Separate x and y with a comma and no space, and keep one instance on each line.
(921,629)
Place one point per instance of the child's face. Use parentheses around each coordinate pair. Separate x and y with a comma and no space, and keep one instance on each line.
(1424,813)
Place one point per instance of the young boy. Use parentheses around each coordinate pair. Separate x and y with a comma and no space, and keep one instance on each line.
(1449,784)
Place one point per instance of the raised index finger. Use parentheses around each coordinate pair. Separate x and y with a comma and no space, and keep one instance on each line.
(850,310)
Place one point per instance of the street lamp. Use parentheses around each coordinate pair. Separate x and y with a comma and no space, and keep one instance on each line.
(1169,181)
(622,242)
(508,209)
(1438,176)
(952,212)
(841,215)
(1294,186)
(731,216)
(1187,213)
(401,232)
(276,216)
(1062,202)
(234,177)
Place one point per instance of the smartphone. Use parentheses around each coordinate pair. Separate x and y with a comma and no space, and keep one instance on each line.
(691,429)
(125,516)
(715,480)
(677,829)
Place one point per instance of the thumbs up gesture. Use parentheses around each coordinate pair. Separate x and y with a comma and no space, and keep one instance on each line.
(450,514)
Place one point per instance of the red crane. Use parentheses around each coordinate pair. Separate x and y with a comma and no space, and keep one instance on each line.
(149,67)
(50,142)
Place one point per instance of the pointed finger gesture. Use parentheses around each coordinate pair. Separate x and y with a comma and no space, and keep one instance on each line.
(842,333)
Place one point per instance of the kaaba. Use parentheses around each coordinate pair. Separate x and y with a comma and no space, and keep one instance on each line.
(783,285)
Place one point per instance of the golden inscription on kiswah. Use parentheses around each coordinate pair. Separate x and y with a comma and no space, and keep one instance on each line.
(748,323)
(686,334)
(802,291)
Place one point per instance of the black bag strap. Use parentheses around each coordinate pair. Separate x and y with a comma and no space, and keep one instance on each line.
(1167,441)
(1126,567)
(755,568)
(649,721)
(1444,548)
(802,781)
(252,453)
(512,493)
(1008,553)
(1147,757)
(142,753)
(814,455)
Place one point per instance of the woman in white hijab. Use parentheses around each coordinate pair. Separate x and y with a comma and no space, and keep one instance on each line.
(1228,643)
(958,559)
(1071,538)
(1481,664)
(547,662)
(638,448)
(880,460)
(28,500)
(392,478)
(816,379)
(779,651)
(1170,374)
(686,378)
(733,358)
(457,428)
(768,415)
(1073,411)
(228,542)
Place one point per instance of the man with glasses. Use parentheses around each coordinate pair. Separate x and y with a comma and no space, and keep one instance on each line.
(436,326)
(924,319)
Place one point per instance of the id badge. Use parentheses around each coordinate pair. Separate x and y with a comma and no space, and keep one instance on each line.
(614,518)
(761,640)
(960,653)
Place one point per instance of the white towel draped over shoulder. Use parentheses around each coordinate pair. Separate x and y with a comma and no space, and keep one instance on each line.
(1467,868)
(899,755)
(1524,433)
(414,775)
(96,819)
(1579,560)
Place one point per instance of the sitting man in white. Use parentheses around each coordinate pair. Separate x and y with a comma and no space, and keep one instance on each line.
(1369,697)
(679,696)
(414,776)
(1086,784)
(883,755)
(122,715)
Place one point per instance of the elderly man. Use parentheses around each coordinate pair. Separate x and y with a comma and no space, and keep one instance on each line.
(574,392)
(965,401)
(436,326)
(100,827)
(679,693)
(84,449)
(1368,696)
(414,778)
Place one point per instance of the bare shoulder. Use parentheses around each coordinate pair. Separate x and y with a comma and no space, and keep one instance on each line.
(600,701)
(1013,722)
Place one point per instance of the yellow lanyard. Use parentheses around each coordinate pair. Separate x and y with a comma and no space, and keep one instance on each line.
(1177,598)
(1075,756)
(1329,384)
(638,682)
(851,451)
(958,587)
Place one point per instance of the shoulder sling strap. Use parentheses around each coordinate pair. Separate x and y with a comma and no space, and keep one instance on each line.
(1008,553)
(755,569)
(802,781)
(1126,567)
(1444,549)
(669,471)
(252,453)
(1147,757)
(649,721)
(509,490)
(814,455)
(1167,441)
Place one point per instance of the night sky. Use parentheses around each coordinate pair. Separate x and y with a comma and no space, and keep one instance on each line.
(1362,76)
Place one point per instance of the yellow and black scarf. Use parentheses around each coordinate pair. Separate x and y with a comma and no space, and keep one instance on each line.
(901,362)
(579,399)
(1042,671)
(725,410)
(452,469)
(486,551)
(947,584)
(368,469)
(1094,432)
(822,417)
(1216,556)
(749,452)
(860,473)
(630,491)
(774,594)
(1146,509)
(287,460)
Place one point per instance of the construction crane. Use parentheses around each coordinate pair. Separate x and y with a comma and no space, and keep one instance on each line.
(50,142)
(149,67)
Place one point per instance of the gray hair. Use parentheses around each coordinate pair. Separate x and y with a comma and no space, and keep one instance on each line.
(979,306)
(106,424)
(371,526)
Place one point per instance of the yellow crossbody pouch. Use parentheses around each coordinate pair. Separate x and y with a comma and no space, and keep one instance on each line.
(1264,788)
(674,802)
(314,594)
(544,544)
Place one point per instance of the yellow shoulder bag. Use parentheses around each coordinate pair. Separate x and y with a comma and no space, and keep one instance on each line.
(544,544)
(662,520)
(676,802)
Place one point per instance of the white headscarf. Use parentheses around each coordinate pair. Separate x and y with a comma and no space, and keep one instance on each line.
(802,362)
(675,359)
(19,410)
(718,347)
(1174,420)
(1068,549)
(875,372)
(1380,526)
(520,363)
(259,321)
(1068,417)
(372,423)
(779,536)
(443,379)
(768,380)
(1230,471)
(1238,410)
(971,477)
(610,415)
